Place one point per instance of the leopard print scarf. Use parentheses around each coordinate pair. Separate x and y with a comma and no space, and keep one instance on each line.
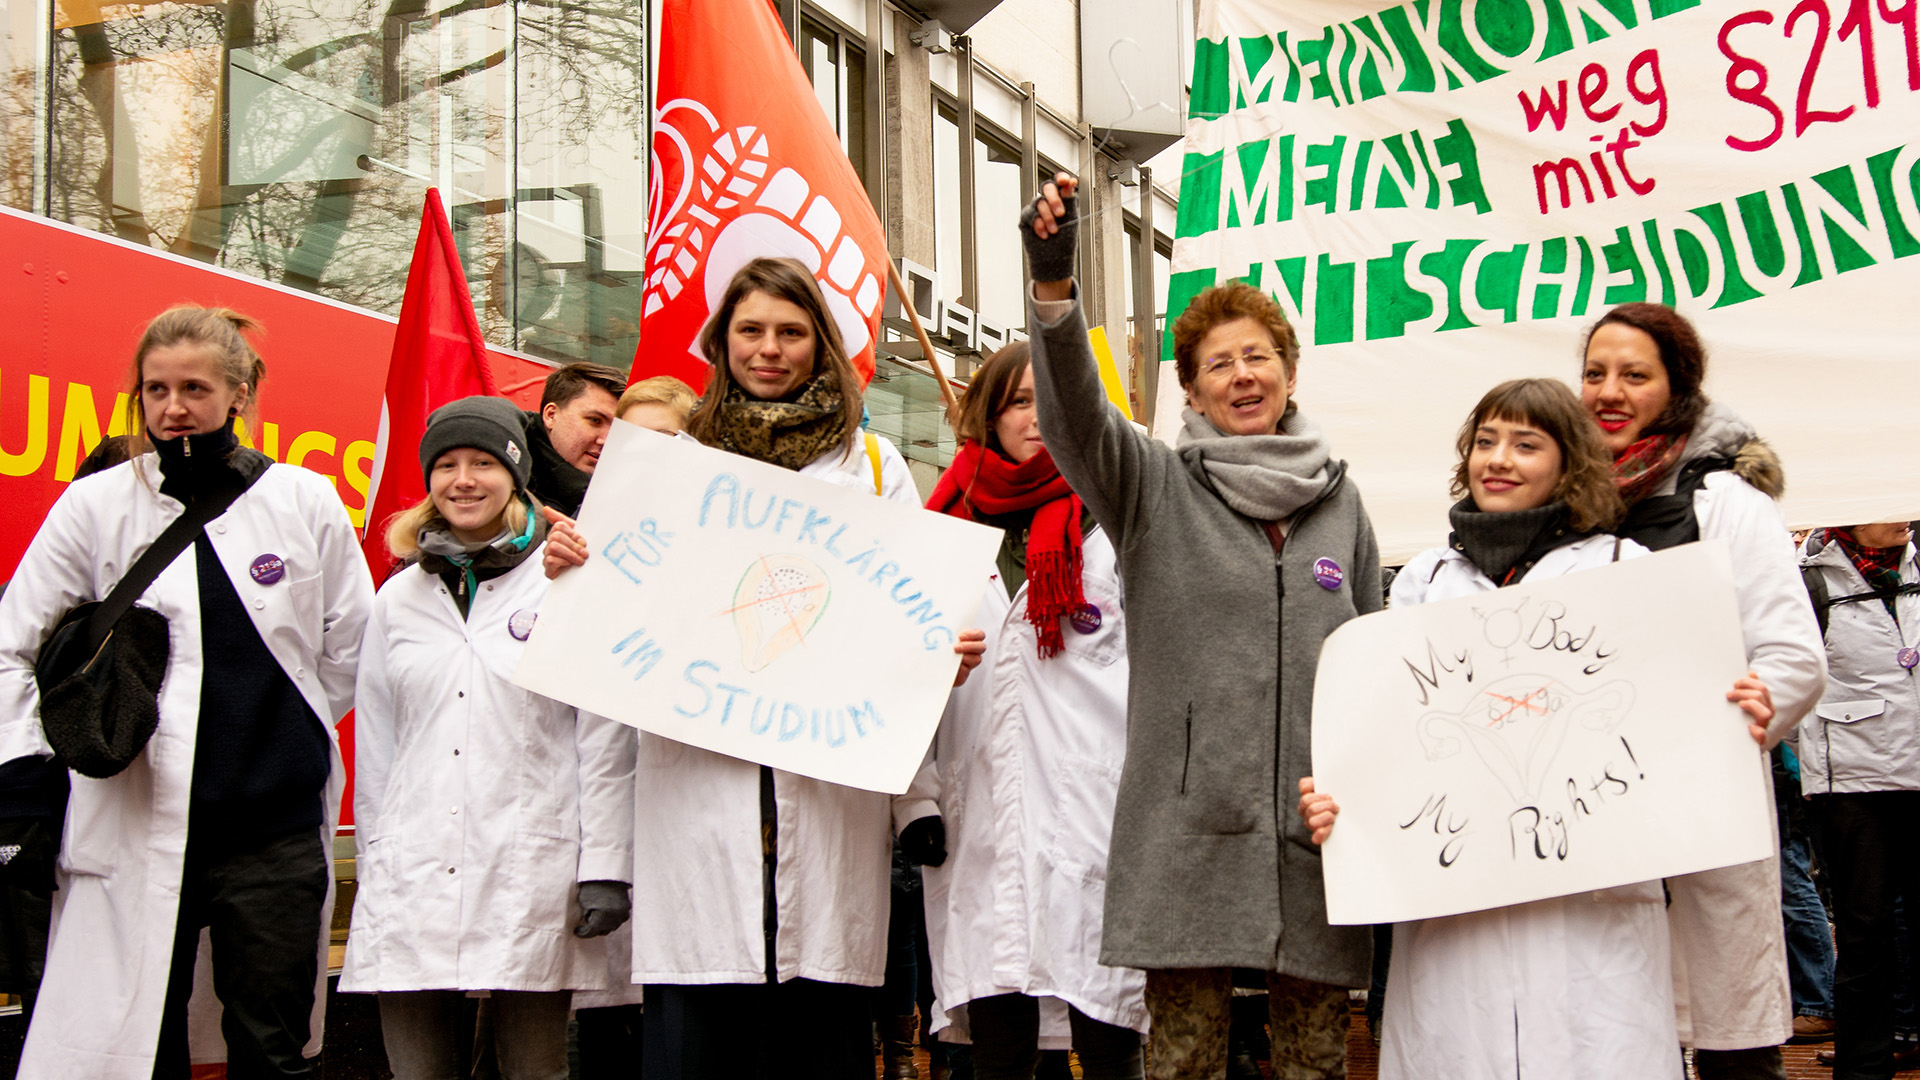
(789,434)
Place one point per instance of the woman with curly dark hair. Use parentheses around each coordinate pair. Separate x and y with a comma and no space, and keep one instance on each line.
(1689,469)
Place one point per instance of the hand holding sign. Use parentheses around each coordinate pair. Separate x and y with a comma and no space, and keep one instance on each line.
(1541,740)
(756,612)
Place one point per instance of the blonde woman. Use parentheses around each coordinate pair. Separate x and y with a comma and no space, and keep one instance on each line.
(492,825)
(662,403)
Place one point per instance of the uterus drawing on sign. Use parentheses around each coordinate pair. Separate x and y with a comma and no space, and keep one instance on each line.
(778,602)
(1518,725)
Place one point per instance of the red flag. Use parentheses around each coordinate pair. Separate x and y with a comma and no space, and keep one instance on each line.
(438,356)
(745,164)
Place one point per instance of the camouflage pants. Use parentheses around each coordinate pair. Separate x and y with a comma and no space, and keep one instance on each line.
(1190,1009)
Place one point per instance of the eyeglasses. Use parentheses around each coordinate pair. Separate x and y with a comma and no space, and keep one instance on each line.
(1222,366)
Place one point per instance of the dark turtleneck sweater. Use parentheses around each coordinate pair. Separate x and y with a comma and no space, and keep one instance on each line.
(261,757)
(1505,546)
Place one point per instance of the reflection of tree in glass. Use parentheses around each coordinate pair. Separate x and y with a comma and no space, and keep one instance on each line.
(437,94)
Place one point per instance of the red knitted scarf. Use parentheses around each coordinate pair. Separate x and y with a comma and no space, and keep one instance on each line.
(1639,468)
(980,482)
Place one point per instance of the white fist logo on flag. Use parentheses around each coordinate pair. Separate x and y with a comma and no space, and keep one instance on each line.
(747,208)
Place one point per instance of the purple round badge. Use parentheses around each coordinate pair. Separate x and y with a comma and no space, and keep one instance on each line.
(520,624)
(1909,657)
(268,569)
(1328,573)
(1085,618)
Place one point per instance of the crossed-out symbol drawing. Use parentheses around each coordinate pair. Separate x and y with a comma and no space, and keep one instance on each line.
(777,603)
(1517,726)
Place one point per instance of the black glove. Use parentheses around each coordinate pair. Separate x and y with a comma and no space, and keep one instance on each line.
(924,841)
(603,907)
(1050,259)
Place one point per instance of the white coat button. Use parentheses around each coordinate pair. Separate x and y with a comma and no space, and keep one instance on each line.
(259,605)
(221,529)
(299,673)
(453,809)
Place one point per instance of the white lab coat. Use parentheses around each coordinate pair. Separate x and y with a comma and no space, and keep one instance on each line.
(99,1010)
(697,910)
(1025,785)
(1573,988)
(1729,944)
(477,805)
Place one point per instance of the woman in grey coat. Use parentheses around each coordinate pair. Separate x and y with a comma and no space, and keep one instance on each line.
(1242,550)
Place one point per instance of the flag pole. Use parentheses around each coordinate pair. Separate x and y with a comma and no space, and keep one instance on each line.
(926,344)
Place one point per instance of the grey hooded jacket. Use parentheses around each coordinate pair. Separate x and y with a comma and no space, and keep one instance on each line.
(1864,735)
(1211,865)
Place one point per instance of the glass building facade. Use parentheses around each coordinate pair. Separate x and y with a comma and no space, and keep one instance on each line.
(293,141)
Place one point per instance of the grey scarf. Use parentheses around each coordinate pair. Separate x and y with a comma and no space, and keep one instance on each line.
(1265,477)
(441,551)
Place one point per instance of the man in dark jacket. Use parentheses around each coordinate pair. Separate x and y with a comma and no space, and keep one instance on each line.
(576,412)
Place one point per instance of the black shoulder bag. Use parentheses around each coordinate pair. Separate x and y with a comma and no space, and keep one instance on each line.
(99,674)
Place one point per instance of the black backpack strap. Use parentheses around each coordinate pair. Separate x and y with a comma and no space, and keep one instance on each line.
(1817,592)
(158,556)
(1907,589)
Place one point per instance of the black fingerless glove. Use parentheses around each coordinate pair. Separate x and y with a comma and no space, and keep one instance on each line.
(924,841)
(1050,259)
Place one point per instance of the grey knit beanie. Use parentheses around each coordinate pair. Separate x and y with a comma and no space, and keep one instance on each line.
(493,424)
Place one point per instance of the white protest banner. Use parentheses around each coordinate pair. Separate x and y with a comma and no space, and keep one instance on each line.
(1445,193)
(744,608)
(1539,740)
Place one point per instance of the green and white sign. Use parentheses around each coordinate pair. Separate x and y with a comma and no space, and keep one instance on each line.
(1446,193)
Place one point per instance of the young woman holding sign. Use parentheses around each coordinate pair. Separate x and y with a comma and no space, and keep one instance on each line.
(477,805)
(1027,763)
(1690,469)
(1574,988)
(761,896)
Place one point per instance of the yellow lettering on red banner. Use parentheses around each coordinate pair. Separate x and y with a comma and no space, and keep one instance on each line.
(80,428)
(28,461)
(311,442)
(354,463)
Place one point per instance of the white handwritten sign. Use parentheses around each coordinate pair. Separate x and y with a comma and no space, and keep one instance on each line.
(755,612)
(1540,740)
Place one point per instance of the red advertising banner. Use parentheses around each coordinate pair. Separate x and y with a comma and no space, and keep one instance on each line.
(75,303)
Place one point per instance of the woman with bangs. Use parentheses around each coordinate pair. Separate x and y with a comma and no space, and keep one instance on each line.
(1574,987)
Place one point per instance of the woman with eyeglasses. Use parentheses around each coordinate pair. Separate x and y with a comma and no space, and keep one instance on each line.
(1242,549)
